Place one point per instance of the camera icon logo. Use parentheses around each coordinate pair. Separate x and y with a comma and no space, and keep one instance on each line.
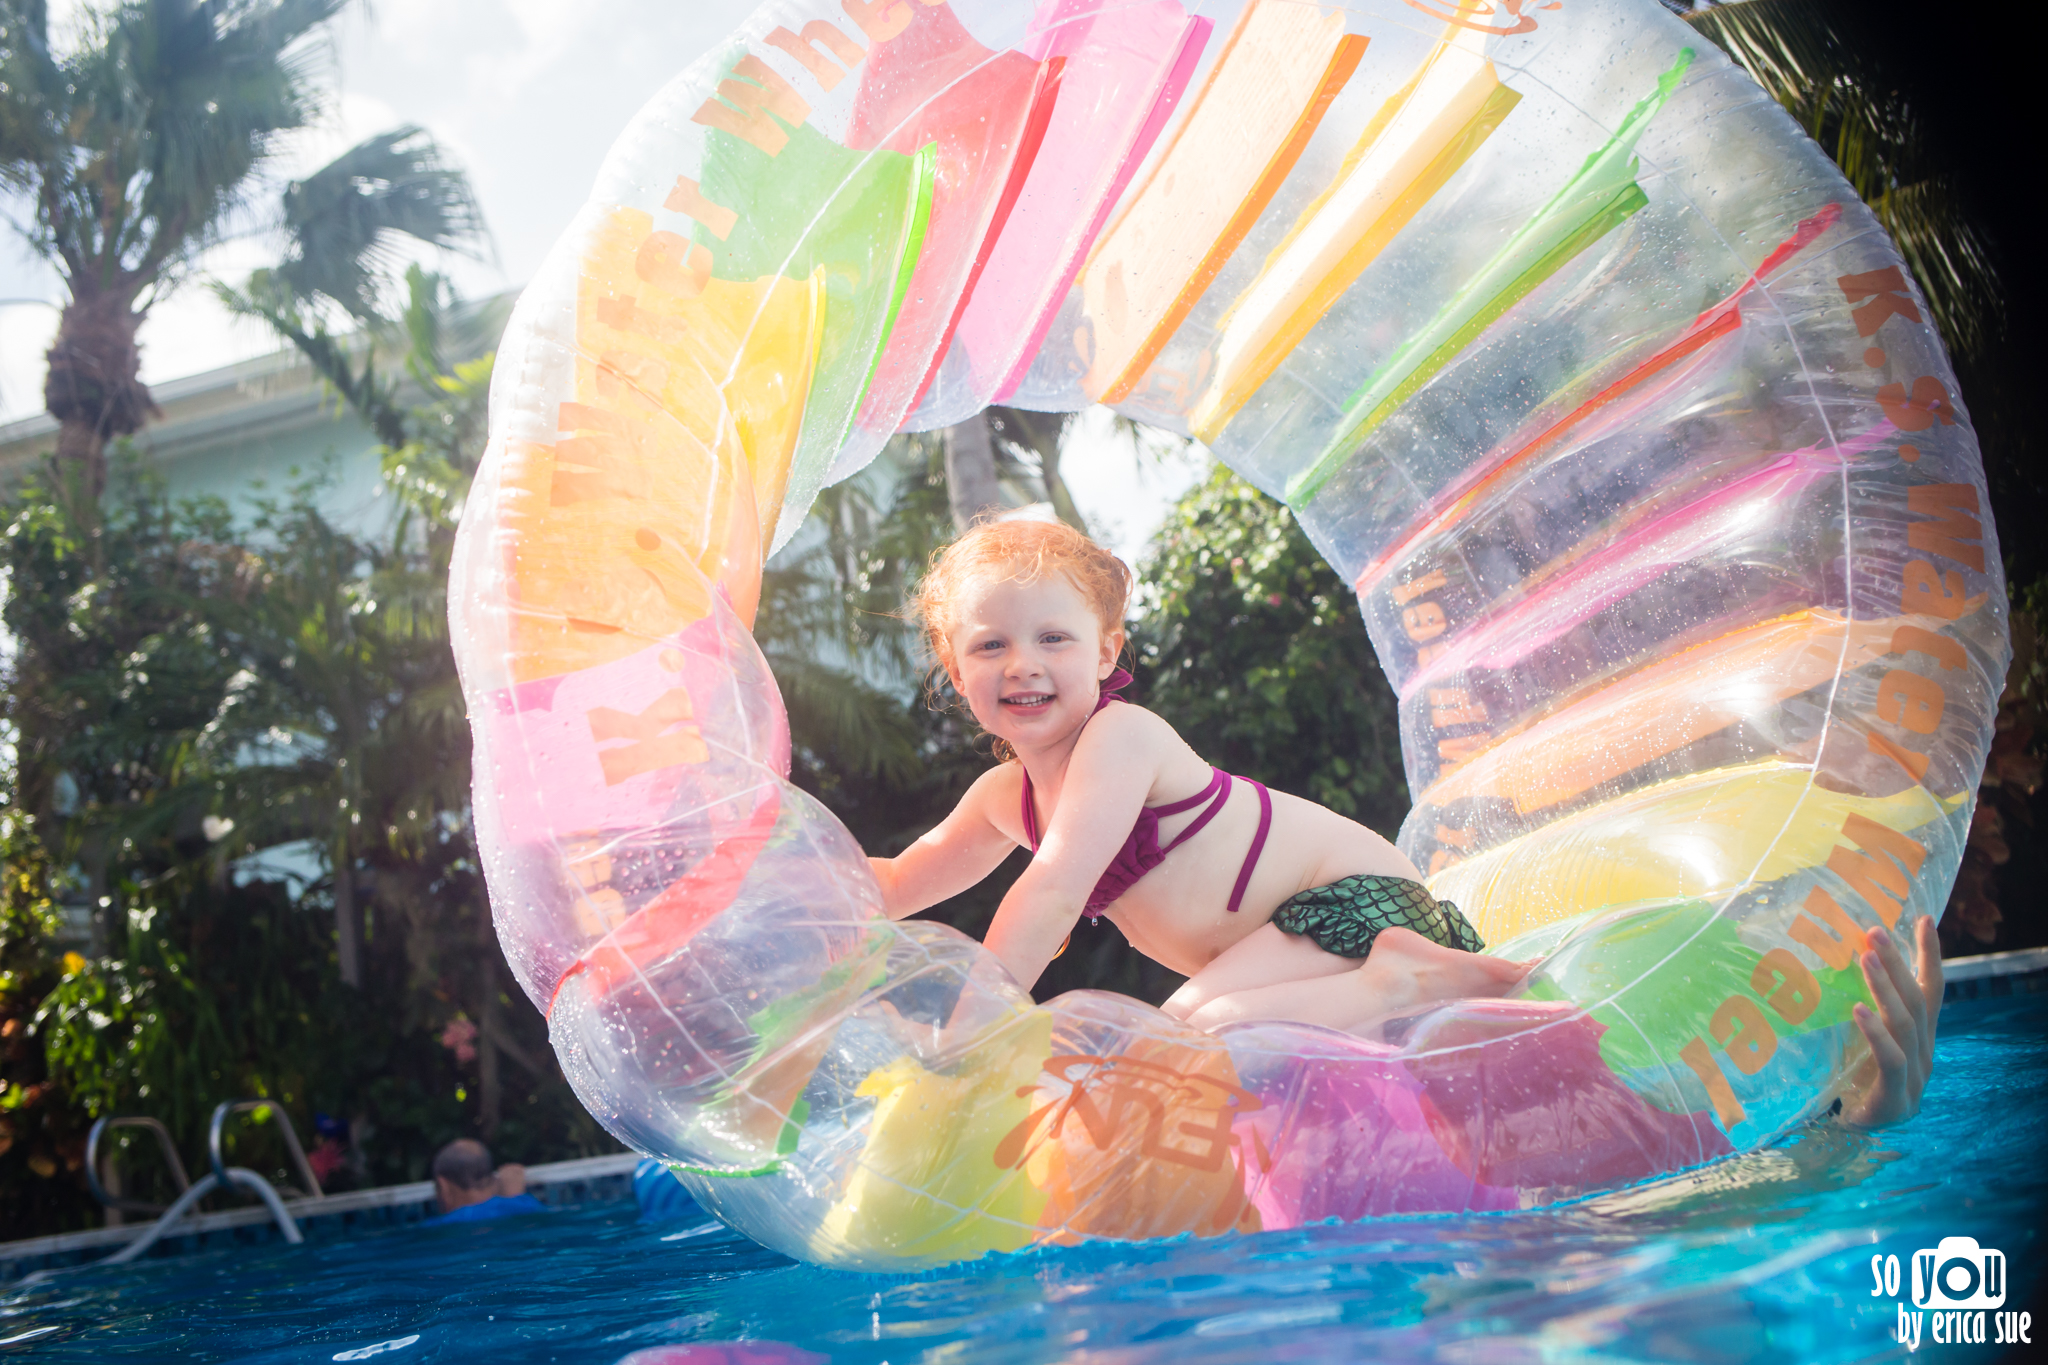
(1958,1274)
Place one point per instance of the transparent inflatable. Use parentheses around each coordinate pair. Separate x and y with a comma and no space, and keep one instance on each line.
(1566,347)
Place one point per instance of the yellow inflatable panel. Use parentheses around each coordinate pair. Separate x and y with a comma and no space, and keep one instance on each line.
(1692,838)
(705,387)
(927,1184)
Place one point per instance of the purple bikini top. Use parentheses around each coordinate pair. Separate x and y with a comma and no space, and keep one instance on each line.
(1141,851)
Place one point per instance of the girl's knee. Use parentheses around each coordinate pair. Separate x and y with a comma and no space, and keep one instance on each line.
(1400,942)
(1214,1013)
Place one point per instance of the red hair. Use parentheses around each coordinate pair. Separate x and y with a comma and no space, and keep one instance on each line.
(1023,552)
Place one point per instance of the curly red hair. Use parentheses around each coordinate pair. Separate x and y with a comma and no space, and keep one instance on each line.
(1024,552)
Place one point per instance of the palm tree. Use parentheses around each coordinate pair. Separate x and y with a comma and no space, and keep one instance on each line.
(138,150)
(145,144)
(360,675)
(1009,450)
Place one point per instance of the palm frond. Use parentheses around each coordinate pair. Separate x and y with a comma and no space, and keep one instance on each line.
(29,81)
(347,366)
(1809,56)
(1952,262)
(346,221)
(190,98)
(865,731)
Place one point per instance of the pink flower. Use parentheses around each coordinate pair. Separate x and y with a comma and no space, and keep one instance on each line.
(460,1038)
(326,1158)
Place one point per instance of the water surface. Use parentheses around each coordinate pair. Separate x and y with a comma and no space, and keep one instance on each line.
(1765,1257)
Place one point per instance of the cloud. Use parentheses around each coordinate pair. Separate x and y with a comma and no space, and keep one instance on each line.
(527,95)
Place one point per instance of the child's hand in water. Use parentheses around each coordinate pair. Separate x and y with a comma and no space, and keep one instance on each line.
(1900,1031)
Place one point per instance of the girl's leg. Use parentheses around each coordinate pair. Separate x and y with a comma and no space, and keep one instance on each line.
(1267,956)
(1404,970)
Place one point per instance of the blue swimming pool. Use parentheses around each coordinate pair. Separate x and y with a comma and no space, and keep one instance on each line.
(1766,1257)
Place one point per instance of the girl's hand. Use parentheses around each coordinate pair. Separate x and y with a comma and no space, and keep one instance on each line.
(1887,1087)
(964,848)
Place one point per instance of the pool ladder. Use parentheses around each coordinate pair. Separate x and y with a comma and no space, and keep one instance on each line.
(222,1175)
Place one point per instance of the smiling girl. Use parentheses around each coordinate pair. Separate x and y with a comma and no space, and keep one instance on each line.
(1272,906)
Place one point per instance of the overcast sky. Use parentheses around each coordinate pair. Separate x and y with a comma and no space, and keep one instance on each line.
(526,95)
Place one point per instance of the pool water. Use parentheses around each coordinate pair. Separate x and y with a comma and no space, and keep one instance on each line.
(1766,1257)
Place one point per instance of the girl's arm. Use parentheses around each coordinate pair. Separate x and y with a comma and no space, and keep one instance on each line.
(957,853)
(1107,780)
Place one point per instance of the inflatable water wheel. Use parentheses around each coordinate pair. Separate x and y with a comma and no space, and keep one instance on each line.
(1564,345)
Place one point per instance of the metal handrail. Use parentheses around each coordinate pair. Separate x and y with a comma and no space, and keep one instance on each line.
(287,1226)
(232,1175)
(226,1108)
(92,1162)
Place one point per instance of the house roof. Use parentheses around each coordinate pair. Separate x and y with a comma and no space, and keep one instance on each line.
(270,396)
(273,394)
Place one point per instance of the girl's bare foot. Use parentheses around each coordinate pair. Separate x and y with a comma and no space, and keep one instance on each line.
(1404,970)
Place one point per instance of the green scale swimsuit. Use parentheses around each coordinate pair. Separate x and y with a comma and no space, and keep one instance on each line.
(1346,916)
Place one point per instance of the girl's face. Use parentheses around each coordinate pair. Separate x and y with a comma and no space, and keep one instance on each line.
(1029,659)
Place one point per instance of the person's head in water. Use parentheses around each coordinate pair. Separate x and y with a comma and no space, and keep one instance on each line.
(463,1174)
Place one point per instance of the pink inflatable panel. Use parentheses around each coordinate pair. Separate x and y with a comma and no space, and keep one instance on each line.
(1124,72)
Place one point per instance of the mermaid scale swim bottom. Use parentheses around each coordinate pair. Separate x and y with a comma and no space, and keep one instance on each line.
(1346,916)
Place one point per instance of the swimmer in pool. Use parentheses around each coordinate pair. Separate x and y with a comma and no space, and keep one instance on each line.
(1272,906)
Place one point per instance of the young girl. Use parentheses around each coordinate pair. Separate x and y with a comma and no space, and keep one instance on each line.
(1272,906)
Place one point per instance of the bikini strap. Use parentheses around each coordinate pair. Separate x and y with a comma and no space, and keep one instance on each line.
(1217,778)
(1251,859)
(1219,787)
(1116,682)
(1030,815)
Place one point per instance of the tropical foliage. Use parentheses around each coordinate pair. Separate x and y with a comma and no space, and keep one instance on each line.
(42,1137)
(263,753)
(145,143)
(1251,641)
(1813,59)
